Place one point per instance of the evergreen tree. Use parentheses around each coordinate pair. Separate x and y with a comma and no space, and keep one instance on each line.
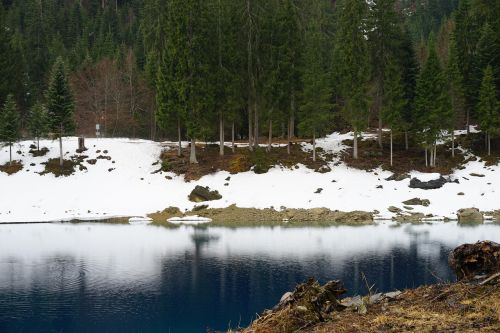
(352,65)
(455,91)
(9,123)
(466,37)
(432,109)
(316,107)
(488,108)
(394,101)
(60,104)
(38,122)
(488,51)
(384,41)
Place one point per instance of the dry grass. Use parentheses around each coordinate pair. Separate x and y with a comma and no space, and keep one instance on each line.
(11,168)
(241,160)
(457,307)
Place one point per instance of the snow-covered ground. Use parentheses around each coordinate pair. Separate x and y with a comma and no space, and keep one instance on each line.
(132,189)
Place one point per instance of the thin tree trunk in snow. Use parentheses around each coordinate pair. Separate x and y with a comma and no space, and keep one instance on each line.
(221,135)
(489,144)
(314,146)
(232,137)
(192,155)
(380,131)
(60,150)
(426,162)
(179,147)
(406,140)
(452,143)
(467,117)
(292,117)
(256,125)
(289,137)
(391,146)
(10,153)
(355,143)
(270,139)
(250,127)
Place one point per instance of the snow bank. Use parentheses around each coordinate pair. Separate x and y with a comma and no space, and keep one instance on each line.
(129,186)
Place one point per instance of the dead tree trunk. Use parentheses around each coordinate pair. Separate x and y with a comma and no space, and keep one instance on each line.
(270,138)
(232,137)
(192,155)
(355,144)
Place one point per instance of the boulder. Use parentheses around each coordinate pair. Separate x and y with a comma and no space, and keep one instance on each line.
(470,215)
(429,185)
(200,194)
(394,209)
(473,174)
(398,177)
(417,202)
(469,260)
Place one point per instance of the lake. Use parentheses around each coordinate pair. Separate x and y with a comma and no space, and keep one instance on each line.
(93,277)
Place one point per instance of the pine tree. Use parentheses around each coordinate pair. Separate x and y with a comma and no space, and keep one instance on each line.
(455,91)
(60,106)
(384,41)
(432,108)
(394,101)
(488,108)
(316,107)
(352,64)
(488,51)
(38,122)
(9,124)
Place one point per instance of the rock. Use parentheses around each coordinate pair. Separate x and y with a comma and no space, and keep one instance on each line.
(199,207)
(355,301)
(398,177)
(394,209)
(429,185)
(228,178)
(469,260)
(286,298)
(92,161)
(318,190)
(460,193)
(408,207)
(470,215)
(200,194)
(473,174)
(379,186)
(412,217)
(376,298)
(417,202)
(392,294)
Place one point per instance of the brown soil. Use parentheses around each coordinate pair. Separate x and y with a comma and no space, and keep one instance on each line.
(241,160)
(11,168)
(371,156)
(53,166)
(456,307)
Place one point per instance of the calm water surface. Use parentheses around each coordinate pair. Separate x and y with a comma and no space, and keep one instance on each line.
(124,278)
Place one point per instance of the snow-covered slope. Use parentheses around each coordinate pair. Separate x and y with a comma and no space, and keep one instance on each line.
(132,189)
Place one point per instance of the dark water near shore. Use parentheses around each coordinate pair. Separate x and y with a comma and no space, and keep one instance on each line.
(123,278)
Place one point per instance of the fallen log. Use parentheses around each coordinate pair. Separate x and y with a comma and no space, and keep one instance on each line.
(470,260)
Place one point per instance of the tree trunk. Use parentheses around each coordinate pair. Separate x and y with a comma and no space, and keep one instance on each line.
(452,143)
(426,162)
(192,155)
(232,137)
(292,116)
(435,154)
(60,151)
(391,146)
(467,117)
(314,146)
(380,131)
(221,135)
(10,153)
(489,144)
(38,143)
(250,127)
(270,139)
(289,141)
(355,148)
(256,125)
(406,140)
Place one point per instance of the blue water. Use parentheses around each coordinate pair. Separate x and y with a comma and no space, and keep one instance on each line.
(123,278)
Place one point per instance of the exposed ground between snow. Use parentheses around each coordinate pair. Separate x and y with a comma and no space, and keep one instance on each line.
(127,184)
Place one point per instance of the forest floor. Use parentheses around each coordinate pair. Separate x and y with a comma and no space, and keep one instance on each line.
(445,307)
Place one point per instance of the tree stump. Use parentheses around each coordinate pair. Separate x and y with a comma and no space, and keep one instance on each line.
(469,260)
(81,145)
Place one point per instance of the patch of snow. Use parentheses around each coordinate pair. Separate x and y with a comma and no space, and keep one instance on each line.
(194,219)
(134,188)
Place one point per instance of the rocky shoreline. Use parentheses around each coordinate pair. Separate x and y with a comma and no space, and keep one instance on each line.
(235,216)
